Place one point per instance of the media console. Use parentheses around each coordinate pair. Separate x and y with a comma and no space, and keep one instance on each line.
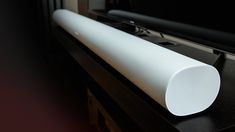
(133,110)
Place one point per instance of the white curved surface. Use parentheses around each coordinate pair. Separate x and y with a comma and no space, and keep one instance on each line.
(182,85)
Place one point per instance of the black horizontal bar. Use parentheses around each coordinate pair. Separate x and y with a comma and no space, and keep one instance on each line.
(219,40)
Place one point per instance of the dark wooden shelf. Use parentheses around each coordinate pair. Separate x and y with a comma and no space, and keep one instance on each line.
(139,109)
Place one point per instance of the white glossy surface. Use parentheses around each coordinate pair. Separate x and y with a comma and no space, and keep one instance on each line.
(182,85)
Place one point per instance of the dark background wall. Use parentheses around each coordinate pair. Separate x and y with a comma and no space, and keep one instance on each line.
(34,65)
(22,32)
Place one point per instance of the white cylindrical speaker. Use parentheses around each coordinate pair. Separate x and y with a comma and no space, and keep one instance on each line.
(182,85)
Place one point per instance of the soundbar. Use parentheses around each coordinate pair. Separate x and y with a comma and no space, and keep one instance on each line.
(180,84)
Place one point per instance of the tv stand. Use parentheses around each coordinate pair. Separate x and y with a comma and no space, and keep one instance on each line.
(129,109)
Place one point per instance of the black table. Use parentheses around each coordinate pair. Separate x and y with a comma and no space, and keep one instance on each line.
(133,110)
